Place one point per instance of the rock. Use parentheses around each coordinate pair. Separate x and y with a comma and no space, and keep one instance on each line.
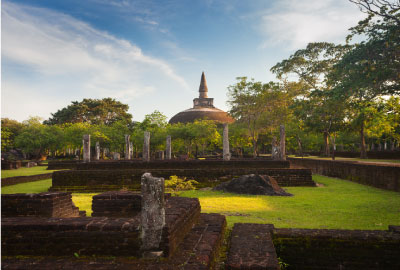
(253,184)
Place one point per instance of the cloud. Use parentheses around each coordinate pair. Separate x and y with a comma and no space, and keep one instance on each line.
(293,24)
(58,50)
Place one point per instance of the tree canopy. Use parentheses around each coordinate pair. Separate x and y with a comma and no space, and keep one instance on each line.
(104,111)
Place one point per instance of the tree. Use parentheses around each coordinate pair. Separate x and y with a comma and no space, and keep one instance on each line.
(372,67)
(9,130)
(104,111)
(261,106)
(319,108)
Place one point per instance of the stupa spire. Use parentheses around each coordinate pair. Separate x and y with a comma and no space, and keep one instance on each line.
(203,89)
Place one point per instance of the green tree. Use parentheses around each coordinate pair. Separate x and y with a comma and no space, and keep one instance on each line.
(9,130)
(104,111)
(316,105)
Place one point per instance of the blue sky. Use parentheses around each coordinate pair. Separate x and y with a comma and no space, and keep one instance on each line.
(150,54)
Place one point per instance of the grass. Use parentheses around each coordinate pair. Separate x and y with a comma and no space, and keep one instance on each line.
(338,204)
(31,187)
(25,171)
(352,159)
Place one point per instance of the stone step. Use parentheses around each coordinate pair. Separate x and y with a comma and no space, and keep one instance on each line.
(251,247)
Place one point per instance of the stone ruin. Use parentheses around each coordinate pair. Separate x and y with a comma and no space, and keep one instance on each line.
(147,225)
(253,184)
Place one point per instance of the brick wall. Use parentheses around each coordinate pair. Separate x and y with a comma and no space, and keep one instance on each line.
(101,180)
(337,249)
(46,204)
(59,165)
(24,179)
(178,164)
(376,175)
(371,154)
(118,236)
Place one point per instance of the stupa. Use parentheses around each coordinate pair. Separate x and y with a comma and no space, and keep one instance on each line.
(203,108)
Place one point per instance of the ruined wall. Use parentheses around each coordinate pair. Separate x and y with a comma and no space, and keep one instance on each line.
(24,179)
(376,175)
(64,164)
(46,204)
(337,249)
(178,164)
(371,154)
(102,180)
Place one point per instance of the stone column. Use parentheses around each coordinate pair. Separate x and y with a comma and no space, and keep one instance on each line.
(127,147)
(225,143)
(116,156)
(282,143)
(152,216)
(86,148)
(146,146)
(168,148)
(97,157)
(130,150)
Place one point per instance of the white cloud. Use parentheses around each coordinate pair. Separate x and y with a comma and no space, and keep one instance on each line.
(293,24)
(58,50)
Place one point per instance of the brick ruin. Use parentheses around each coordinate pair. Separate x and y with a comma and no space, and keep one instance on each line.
(105,175)
(45,230)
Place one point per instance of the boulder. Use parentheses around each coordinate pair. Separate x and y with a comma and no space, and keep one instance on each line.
(253,184)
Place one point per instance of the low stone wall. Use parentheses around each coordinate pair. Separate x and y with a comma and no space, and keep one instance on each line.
(24,179)
(11,165)
(94,235)
(46,204)
(376,175)
(371,154)
(179,164)
(118,204)
(102,180)
(337,249)
(62,164)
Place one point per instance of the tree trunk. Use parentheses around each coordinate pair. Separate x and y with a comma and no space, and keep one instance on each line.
(326,144)
(363,152)
(254,148)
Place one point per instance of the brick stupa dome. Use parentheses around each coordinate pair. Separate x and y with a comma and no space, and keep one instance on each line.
(203,108)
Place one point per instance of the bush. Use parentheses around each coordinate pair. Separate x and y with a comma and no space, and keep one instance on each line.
(175,184)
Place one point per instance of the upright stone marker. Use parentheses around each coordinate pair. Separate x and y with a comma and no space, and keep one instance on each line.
(97,157)
(225,143)
(168,148)
(283,143)
(127,147)
(116,156)
(152,216)
(86,148)
(146,146)
(130,150)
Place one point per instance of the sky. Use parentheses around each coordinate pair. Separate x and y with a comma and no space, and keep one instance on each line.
(150,54)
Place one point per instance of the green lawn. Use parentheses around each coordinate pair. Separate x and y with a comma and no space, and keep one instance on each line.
(25,171)
(31,187)
(352,159)
(338,204)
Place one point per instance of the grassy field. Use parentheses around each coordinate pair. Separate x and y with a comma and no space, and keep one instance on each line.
(352,159)
(337,204)
(25,171)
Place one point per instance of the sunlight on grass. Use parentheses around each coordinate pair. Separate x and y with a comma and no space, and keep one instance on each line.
(83,201)
(31,187)
(25,171)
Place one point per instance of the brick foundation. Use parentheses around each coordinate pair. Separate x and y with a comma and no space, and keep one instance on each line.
(385,176)
(46,204)
(101,180)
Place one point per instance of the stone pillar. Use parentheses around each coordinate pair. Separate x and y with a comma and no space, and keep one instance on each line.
(225,143)
(116,156)
(127,147)
(168,148)
(152,216)
(97,157)
(274,149)
(86,148)
(282,151)
(130,150)
(146,146)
